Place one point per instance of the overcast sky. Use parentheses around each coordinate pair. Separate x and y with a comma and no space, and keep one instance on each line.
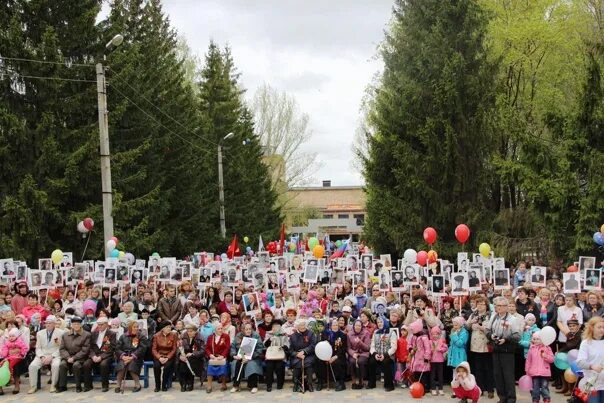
(320,51)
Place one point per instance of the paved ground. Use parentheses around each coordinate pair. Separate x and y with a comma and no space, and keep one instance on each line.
(375,395)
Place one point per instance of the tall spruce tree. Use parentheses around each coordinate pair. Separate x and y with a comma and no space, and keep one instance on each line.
(249,197)
(429,144)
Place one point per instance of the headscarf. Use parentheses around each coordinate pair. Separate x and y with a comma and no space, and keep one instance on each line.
(354,327)
(386,328)
(331,335)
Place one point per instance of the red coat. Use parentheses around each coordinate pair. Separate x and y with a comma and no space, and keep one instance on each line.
(402,349)
(221,348)
(29,311)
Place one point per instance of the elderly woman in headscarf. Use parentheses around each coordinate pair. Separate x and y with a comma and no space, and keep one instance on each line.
(129,355)
(358,353)
(336,366)
(191,355)
(302,354)
(246,361)
(382,350)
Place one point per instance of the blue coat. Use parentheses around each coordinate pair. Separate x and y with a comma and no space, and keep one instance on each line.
(457,347)
(255,365)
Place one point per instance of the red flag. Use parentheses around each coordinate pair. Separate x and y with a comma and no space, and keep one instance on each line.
(233,249)
(282,240)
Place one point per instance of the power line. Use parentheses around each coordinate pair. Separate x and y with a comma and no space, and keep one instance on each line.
(21,59)
(8,72)
(158,122)
(166,114)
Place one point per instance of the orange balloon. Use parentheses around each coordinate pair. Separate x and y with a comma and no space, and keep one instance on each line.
(569,376)
(417,390)
(318,251)
(572,268)
(432,256)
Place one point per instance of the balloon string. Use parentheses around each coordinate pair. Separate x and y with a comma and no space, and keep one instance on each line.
(86,247)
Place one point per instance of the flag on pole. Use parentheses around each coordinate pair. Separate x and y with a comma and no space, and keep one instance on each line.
(260,244)
(282,240)
(233,249)
(342,249)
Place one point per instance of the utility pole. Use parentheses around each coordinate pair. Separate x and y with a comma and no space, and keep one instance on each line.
(105,156)
(221,192)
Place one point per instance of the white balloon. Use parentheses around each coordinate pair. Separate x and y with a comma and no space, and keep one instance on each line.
(82,228)
(111,245)
(323,350)
(548,335)
(130,258)
(410,256)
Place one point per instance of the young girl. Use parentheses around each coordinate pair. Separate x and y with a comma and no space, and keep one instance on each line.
(421,353)
(14,350)
(464,385)
(530,327)
(537,366)
(437,361)
(402,354)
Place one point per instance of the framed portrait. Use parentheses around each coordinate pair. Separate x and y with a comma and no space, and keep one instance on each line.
(352,263)
(386,260)
(499,263)
(377,268)
(264,259)
(187,270)
(258,280)
(230,274)
(296,262)
(44,264)
(35,279)
(396,277)
(7,269)
(366,261)
(251,303)
(384,281)
(586,263)
(593,279)
(154,264)
(437,285)
(463,263)
(246,350)
(205,274)
(293,280)
(49,279)
(474,277)
(358,277)
(502,279)
(571,283)
(272,267)
(272,283)
(67,260)
(337,276)
(396,331)
(311,272)
(21,272)
(342,263)
(378,308)
(411,274)
(325,276)
(460,284)
(136,274)
(538,276)
(109,279)
(122,273)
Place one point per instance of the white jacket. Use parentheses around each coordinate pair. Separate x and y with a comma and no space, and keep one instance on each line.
(44,348)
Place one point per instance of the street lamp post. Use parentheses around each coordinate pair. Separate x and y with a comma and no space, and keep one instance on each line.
(221,186)
(104,144)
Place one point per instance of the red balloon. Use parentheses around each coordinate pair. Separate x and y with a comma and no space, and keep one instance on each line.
(422,257)
(417,390)
(430,235)
(88,223)
(462,233)
(572,268)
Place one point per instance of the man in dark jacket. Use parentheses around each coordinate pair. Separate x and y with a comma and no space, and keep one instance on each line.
(102,349)
(302,354)
(169,307)
(74,351)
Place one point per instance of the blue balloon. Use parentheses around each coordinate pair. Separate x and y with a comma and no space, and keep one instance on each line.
(248,249)
(561,361)
(599,238)
(575,368)
(115,253)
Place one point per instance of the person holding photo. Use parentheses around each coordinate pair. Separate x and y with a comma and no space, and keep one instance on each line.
(381,355)
(591,359)
(242,366)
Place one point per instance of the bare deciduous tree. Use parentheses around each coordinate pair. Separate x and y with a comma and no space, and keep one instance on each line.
(283,129)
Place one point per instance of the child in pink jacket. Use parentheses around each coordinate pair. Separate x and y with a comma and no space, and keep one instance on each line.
(537,366)
(14,350)
(437,362)
(464,384)
(421,353)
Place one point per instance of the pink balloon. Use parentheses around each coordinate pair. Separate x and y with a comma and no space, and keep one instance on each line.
(525,383)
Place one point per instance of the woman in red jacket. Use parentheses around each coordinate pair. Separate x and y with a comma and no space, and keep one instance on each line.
(217,351)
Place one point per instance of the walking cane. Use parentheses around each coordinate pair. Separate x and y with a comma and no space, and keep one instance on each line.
(303,391)
(240,369)
(161,376)
(334,375)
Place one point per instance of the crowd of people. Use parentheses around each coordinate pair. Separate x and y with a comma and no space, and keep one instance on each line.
(480,344)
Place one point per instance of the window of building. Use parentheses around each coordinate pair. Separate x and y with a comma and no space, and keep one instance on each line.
(343,216)
(327,215)
(360,218)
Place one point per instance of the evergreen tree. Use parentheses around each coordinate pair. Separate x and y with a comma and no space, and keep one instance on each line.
(249,198)
(429,144)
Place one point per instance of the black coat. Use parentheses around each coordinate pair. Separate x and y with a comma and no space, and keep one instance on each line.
(305,342)
(129,345)
(197,348)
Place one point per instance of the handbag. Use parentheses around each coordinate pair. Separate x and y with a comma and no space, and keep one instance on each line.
(275,353)
(216,361)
